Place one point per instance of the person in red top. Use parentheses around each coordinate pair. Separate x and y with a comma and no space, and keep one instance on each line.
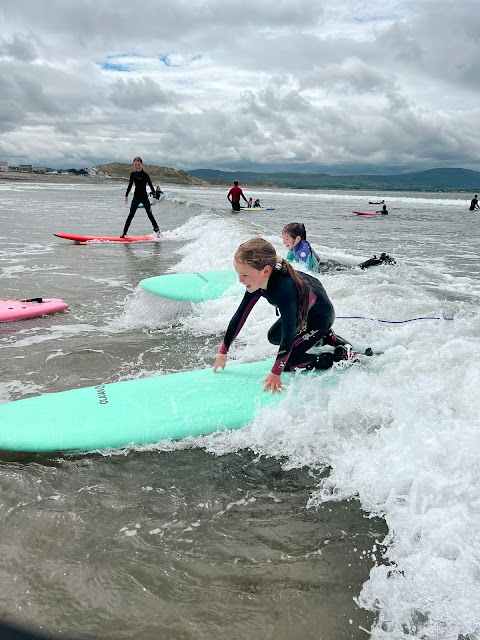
(234,196)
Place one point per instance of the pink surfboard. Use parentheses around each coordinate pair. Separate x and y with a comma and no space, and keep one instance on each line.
(80,239)
(21,309)
(368,213)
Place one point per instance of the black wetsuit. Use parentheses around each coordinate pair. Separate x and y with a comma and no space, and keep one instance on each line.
(294,342)
(372,262)
(473,204)
(141,180)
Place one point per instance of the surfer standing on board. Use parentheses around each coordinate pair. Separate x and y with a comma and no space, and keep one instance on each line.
(141,180)
(306,313)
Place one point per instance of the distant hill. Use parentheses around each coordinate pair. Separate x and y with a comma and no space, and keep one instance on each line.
(162,175)
(430,180)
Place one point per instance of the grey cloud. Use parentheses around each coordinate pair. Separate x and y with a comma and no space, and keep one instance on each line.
(37,94)
(140,94)
(441,43)
(351,75)
(19,46)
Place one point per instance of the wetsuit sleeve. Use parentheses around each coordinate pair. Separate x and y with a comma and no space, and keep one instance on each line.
(238,320)
(287,304)
(150,183)
(130,184)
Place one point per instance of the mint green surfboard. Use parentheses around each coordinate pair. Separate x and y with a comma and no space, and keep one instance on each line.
(143,411)
(194,287)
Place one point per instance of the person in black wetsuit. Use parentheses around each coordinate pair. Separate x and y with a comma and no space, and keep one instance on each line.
(474,203)
(383,258)
(141,180)
(306,313)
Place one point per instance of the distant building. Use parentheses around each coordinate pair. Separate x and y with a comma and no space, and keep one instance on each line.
(39,169)
(26,168)
(3,166)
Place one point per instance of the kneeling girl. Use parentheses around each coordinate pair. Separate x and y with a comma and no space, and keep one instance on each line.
(306,313)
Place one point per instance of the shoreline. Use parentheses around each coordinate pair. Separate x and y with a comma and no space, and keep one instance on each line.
(55,178)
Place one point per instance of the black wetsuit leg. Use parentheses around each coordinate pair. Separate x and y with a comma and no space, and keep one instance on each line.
(236,206)
(133,209)
(330,265)
(148,208)
(136,200)
(305,340)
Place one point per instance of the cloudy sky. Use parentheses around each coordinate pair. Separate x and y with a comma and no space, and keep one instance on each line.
(305,85)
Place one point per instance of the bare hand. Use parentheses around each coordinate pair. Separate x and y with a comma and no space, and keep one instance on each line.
(154,201)
(220,361)
(273,382)
(126,199)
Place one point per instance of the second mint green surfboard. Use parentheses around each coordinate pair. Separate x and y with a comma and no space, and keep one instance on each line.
(194,287)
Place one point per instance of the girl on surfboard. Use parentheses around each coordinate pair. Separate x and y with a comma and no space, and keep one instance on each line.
(306,313)
(299,250)
(141,179)
(294,237)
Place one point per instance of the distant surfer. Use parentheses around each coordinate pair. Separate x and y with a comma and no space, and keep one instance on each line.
(474,203)
(384,210)
(234,196)
(383,258)
(158,192)
(141,179)
(381,202)
(306,312)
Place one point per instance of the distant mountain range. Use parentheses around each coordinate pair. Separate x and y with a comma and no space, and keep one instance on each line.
(430,180)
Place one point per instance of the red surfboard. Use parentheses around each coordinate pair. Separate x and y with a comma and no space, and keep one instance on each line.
(368,213)
(79,239)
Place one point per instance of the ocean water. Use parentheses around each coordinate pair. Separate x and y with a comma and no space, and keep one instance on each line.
(344,512)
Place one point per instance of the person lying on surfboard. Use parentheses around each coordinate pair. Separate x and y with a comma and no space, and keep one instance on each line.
(306,313)
(383,258)
(141,180)
(294,237)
